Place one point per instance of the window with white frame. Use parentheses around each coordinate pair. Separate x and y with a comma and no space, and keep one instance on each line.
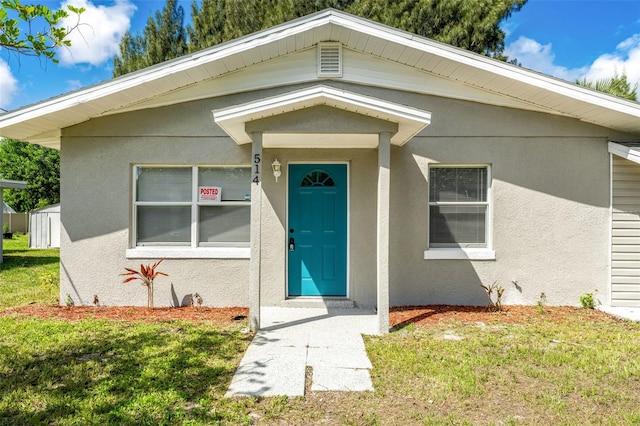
(192,206)
(458,206)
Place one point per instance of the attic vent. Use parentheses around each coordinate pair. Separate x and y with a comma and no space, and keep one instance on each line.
(329,60)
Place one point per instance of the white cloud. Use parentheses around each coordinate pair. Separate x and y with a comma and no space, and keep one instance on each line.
(540,57)
(625,58)
(97,38)
(74,85)
(8,85)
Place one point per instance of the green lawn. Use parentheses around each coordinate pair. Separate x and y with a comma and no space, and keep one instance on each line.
(28,276)
(540,371)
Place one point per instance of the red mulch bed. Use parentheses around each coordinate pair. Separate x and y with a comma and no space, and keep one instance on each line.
(426,315)
(419,315)
(130,313)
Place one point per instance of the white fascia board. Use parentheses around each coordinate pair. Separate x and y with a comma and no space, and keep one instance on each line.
(16,184)
(491,65)
(411,120)
(627,152)
(291,29)
(134,79)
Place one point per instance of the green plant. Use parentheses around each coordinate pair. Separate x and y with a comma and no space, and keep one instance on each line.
(494,306)
(5,228)
(69,301)
(588,301)
(49,278)
(147,274)
(541,302)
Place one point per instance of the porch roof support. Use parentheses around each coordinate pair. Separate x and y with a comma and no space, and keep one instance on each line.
(382,261)
(256,238)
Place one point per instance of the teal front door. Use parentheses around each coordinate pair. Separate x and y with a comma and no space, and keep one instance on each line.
(317,234)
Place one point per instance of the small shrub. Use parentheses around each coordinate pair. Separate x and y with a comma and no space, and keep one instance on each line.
(69,301)
(146,274)
(494,306)
(587,301)
(541,302)
(5,228)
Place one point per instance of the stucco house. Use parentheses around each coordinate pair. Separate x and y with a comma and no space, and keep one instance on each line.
(332,158)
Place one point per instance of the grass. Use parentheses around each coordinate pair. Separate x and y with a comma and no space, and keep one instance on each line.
(584,370)
(28,276)
(103,372)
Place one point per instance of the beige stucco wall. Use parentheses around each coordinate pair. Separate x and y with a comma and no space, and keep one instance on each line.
(550,205)
(550,198)
(96,181)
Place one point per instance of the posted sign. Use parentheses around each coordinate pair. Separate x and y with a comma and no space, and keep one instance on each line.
(210,194)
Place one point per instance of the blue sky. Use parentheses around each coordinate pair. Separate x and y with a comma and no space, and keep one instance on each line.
(568,39)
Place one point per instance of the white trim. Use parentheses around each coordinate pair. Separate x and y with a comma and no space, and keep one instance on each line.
(286,242)
(46,118)
(410,120)
(610,278)
(188,250)
(189,253)
(627,152)
(455,253)
(471,253)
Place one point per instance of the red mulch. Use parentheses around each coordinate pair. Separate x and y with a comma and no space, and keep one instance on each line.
(130,313)
(426,315)
(419,315)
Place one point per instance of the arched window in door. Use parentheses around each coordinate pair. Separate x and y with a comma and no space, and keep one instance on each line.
(317,178)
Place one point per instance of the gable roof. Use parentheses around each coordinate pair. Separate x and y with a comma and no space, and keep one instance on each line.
(42,122)
(410,120)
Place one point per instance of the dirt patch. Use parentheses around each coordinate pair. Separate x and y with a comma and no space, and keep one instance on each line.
(398,316)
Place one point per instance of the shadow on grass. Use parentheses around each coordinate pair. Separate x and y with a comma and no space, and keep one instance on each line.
(424,312)
(12,261)
(120,374)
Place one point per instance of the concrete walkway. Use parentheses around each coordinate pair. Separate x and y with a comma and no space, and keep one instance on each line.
(327,340)
(631,314)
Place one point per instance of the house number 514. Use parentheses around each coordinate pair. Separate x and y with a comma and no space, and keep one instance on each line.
(256,168)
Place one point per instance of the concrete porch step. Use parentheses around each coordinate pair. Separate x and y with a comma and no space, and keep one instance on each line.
(318,302)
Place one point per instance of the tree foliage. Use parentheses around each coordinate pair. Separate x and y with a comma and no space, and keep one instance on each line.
(38,166)
(164,37)
(34,42)
(471,24)
(617,85)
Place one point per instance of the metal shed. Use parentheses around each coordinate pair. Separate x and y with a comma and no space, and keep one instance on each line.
(44,227)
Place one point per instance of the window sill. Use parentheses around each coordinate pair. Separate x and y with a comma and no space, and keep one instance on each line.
(189,253)
(460,254)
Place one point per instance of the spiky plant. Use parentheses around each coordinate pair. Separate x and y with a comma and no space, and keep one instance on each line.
(147,274)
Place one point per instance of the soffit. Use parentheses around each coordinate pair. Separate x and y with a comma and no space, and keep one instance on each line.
(43,121)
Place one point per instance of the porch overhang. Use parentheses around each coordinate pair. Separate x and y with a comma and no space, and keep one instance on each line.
(408,121)
(627,150)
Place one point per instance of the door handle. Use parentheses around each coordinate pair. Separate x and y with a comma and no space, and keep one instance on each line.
(292,244)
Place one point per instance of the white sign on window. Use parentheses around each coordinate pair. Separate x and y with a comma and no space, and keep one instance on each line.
(210,194)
